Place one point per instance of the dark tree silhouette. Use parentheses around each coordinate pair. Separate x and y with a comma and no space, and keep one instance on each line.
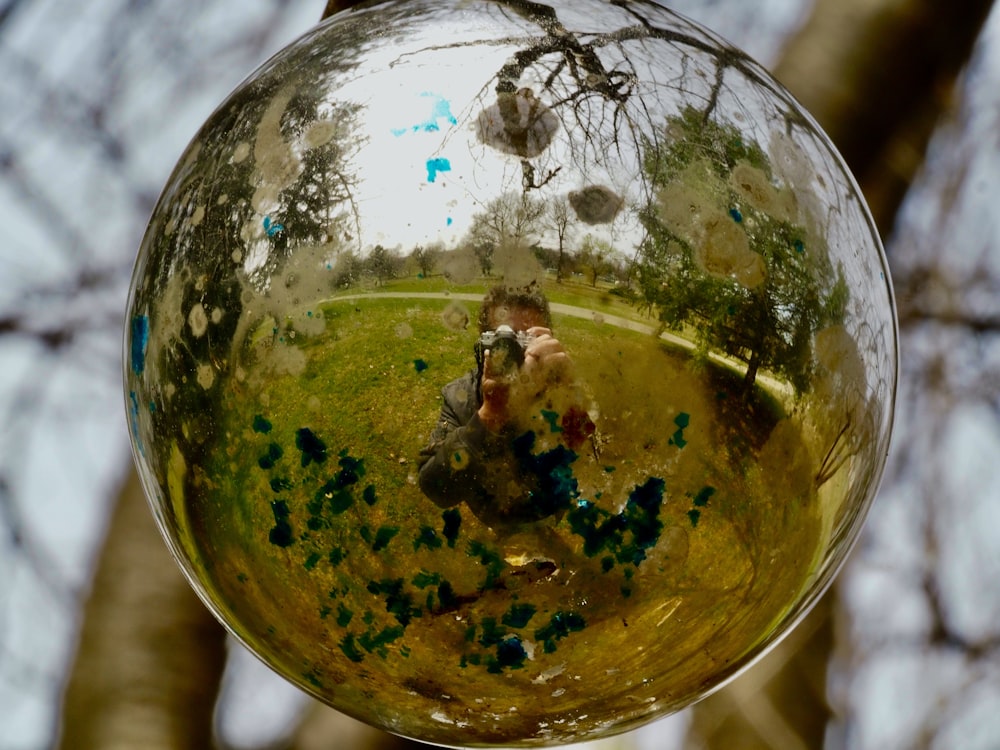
(511,220)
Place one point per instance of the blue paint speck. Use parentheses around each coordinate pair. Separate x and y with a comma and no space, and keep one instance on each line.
(272,228)
(701,499)
(736,215)
(440,110)
(419,365)
(134,414)
(450,221)
(552,418)
(434,166)
(140,341)
(799,247)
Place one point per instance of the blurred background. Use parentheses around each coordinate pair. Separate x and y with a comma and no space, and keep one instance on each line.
(102,644)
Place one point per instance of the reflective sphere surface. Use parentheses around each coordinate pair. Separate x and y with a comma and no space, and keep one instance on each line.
(510,373)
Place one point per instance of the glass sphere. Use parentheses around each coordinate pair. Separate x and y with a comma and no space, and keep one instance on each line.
(510,373)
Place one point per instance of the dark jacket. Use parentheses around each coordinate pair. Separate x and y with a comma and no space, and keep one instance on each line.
(497,475)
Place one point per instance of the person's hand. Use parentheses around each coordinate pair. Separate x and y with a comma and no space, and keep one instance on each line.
(508,396)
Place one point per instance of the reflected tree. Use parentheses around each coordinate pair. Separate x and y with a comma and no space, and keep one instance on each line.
(319,207)
(384,264)
(561,224)
(512,220)
(725,253)
(426,257)
(595,258)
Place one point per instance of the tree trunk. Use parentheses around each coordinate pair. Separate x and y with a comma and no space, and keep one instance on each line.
(150,656)
(751,375)
(878,75)
(335,6)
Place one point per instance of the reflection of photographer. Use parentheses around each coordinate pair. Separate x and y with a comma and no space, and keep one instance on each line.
(484,450)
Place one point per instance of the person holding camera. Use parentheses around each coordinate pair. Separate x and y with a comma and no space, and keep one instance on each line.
(492,447)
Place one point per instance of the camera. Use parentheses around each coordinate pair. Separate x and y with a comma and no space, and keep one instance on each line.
(506,347)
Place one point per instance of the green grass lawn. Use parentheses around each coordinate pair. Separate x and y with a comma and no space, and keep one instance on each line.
(312,526)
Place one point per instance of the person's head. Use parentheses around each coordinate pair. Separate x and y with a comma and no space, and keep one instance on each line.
(520,308)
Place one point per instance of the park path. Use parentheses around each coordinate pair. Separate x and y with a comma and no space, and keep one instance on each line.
(775,386)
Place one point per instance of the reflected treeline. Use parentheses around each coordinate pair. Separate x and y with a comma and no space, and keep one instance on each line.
(514,224)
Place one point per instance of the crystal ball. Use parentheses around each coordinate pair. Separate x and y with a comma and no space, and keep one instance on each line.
(508,373)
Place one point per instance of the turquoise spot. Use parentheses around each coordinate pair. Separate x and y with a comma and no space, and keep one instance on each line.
(350,649)
(682,420)
(279,484)
(312,448)
(518,615)
(560,626)
(281,534)
(423,579)
(139,343)
(420,365)
(272,228)
(552,419)
(313,679)
(435,166)
(269,459)
(736,215)
(134,413)
(510,655)
(397,601)
(427,537)
(492,633)
(440,110)
(489,559)
(701,499)
(376,642)
(452,523)
(446,595)
(344,616)
(383,536)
